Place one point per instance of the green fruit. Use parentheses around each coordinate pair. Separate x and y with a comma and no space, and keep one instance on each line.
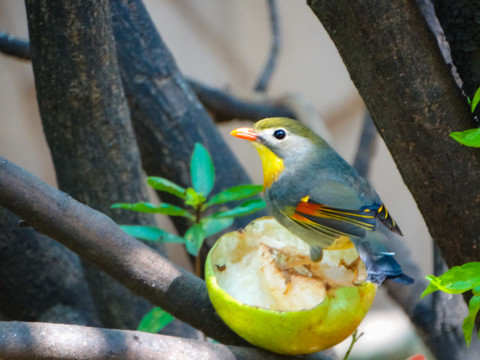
(262,284)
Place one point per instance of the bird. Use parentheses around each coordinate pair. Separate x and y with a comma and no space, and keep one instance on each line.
(319,197)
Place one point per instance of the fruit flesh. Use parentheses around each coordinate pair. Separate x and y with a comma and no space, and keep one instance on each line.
(264,287)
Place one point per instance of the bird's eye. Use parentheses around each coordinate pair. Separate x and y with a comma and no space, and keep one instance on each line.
(279,134)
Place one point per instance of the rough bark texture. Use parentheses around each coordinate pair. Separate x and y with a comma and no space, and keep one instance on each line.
(166,115)
(40,341)
(460,20)
(395,63)
(41,279)
(87,125)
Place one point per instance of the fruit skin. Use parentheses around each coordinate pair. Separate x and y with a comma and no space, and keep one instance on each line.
(293,332)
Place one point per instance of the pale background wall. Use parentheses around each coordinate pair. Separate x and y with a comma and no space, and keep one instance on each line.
(225,44)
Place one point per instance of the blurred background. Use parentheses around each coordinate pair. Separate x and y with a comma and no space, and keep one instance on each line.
(225,44)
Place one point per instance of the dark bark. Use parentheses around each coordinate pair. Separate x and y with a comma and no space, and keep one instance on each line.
(86,121)
(225,107)
(460,20)
(41,279)
(26,341)
(394,61)
(167,117)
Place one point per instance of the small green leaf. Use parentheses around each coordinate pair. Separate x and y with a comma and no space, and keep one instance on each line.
(246,208)
(194,239)
(152,233)
(155,320)
(162,184)
(213,226)
(235,193)
(202,170)
(475,101)
(457,280)
(468,137)
(193,198)
(163,208)
(469,321)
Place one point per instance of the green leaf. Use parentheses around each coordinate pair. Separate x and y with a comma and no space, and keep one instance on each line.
(194,239)
(193,198)
(213,226)
(456,280)
(162,184)
(246,208)
(475,101)
(468,137)
(163,208)
(155,320)
(202,170)
(235,193)
(469,321)
(152,233)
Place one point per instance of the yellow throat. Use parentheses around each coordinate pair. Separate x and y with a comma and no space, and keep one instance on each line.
(271,163)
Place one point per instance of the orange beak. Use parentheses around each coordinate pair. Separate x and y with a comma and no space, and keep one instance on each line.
(245,133)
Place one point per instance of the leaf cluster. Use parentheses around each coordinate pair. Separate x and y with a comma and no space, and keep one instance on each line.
(458,280)
(197,199)
(469,137)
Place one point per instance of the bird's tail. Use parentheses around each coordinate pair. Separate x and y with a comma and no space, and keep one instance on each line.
(380,263)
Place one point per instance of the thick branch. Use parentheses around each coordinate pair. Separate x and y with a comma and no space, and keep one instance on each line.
(42,341)
(87,126)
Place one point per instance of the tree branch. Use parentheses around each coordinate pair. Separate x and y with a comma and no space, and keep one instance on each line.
(264,78)
(86,121)
(43,341)
(226,107)
(366,147)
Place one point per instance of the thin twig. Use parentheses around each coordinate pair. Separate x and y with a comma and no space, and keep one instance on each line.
(264,78)
(366,146)
(355,338)
(11,45)
(225,107)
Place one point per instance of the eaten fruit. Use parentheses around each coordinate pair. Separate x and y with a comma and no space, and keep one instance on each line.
(265,288)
